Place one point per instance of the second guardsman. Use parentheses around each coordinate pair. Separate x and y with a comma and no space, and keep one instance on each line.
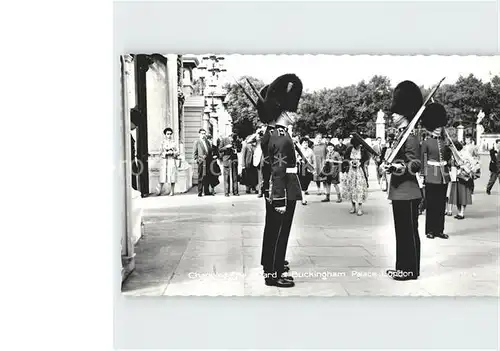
(436,156)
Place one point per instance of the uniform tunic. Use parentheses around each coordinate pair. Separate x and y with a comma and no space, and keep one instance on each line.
(435,158)
(284,186)
(405,195)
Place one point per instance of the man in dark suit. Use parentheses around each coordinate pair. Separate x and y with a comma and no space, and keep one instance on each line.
(435,158)
(201,152)
(213,169)
(227,149)
(494,166)
(404,191)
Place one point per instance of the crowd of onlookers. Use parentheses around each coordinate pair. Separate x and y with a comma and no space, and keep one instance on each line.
(341,163)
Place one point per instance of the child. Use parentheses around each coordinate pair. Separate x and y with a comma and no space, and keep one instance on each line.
(331,172)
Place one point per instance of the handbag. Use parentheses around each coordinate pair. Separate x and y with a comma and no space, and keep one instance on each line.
(383,182)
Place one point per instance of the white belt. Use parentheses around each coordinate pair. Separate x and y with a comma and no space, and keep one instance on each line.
(291,170)
(436,163)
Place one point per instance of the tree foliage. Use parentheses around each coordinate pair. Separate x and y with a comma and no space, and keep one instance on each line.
(241,110)
(343,110)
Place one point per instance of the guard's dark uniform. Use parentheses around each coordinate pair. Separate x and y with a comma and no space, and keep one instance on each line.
(436,158)
(404,191)
(269,238)
(405,195)
(281,187)
(284,190)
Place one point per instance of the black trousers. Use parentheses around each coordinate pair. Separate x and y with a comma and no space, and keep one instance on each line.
(202,179)
(435,196)
(493,177)
(231,173)
(275,241)
(407,239)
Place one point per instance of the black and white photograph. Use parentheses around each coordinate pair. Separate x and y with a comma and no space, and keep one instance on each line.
(310,175)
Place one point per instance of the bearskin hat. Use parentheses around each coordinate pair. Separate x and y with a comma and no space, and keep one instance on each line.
(434,116)
(283,95)
(261,108)
(406,99)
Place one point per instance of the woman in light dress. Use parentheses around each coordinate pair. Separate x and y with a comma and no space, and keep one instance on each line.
(462,184)
(355,183)
(319,150)
(168,167)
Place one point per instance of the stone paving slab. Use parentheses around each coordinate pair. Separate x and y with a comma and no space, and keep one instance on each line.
(340,262)
(331,251)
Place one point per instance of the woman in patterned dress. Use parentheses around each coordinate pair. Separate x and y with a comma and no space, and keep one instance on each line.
(355,183)
(168,167)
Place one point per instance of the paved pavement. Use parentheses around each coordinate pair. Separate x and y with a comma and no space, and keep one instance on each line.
(211,246)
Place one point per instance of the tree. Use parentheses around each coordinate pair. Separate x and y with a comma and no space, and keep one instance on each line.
(491,106)
(242,112)
(342,110)
(464,99)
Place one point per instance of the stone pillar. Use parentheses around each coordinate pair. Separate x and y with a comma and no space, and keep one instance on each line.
(172,102)
(460,133)
(380,126)
(128,101)
(479,130)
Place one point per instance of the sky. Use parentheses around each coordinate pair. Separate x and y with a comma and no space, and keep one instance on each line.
(329,71)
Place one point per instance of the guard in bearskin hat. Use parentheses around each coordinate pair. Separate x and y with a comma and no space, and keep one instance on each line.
(404,191)
(269,237)
(436,157)
(278,110)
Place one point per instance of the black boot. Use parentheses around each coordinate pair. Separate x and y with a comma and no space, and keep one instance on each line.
(279,282)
